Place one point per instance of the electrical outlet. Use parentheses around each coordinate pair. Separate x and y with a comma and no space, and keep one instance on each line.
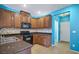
(73,31)
(73,45)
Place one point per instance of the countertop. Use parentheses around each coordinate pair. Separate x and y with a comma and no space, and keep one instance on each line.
(13,48)
(17,31)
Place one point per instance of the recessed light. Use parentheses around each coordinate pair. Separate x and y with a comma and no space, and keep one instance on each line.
(39,12)
(24,5)
(64,14)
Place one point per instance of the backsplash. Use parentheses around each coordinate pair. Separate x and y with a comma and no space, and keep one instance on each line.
(10,39)
(14,30)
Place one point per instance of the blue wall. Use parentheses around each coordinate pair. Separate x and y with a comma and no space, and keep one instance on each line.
(8,8)
(74,25)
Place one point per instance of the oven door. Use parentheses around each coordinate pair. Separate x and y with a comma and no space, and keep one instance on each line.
(28,39)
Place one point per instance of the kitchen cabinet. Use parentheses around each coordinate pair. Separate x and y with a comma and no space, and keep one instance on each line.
(22,17)
(43,22)
(17,21)
(12,20)
(25,17)
(35,39)
(47,21)
(35,22)
(6,18)
(1,17)
(9,19)
(42,39)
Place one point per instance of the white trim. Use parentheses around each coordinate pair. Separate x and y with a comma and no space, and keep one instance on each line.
(74,51)
(52,45)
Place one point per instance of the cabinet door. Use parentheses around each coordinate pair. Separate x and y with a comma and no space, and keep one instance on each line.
(35,40)
(17,21)
(1,18)
(47,40)
(35,23)
(41,22)
(25,17)
(43,39)
(12,20)
(47,22)
(6,18)
(40,40)
(29,19)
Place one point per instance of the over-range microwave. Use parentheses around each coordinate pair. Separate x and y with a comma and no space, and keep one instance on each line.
(25,25)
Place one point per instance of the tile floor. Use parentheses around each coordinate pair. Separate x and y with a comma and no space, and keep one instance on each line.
(60,48)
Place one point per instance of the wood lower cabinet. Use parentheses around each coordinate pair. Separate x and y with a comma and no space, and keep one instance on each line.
(42,39)
(35,39)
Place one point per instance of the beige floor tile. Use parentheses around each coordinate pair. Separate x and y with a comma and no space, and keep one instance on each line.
(60,48)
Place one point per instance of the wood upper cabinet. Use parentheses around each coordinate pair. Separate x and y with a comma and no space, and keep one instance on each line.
(9,19)
(17,21)
(35,22)
(25,17)
(1,17)
(6,18)
(47,21)
(43,22)
(22,17)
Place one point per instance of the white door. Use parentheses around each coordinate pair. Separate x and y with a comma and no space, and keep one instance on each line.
(65,31)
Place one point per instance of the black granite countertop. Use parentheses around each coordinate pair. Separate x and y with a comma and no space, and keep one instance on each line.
(41,33)
(13,48)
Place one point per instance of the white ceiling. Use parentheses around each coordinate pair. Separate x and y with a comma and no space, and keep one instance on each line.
(37,9)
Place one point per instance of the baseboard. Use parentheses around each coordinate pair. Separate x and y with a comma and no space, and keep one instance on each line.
(52,45)
(64,41)
(75,51)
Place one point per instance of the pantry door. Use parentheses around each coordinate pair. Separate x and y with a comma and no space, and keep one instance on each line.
(65,31)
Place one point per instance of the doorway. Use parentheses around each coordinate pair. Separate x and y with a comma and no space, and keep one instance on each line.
(65,31)
(65,27)
(62,28)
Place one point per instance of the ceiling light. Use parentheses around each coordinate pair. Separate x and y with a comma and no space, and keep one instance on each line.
(39,12)
(24,5)
(65,14)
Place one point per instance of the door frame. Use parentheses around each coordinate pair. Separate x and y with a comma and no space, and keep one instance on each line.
(58,26)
